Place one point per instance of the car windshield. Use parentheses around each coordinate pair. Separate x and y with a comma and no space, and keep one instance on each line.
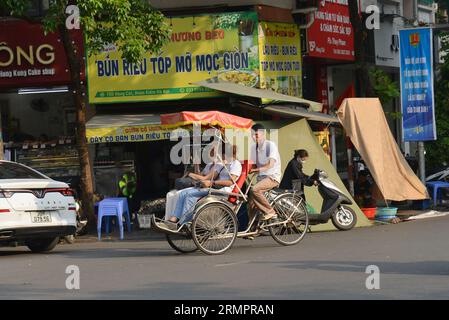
(10,170)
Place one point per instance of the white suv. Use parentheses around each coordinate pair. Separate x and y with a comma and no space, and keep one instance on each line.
(34,209)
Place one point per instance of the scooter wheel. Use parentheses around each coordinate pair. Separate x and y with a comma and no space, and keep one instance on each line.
(344,218)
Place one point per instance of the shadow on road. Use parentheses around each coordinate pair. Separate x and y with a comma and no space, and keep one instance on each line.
(432,268)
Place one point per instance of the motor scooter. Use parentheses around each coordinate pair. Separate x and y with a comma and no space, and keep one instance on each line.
(335,204)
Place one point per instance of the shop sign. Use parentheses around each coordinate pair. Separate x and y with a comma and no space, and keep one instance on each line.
(128,134)
(280,58)
(331,35)
(29,58)
(200,47)
(417,94)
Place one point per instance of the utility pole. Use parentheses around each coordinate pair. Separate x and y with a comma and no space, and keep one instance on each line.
(422,161)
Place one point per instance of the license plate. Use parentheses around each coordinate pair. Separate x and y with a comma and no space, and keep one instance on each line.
(40,217)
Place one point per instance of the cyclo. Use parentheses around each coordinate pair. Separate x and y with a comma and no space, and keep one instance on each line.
(214,226)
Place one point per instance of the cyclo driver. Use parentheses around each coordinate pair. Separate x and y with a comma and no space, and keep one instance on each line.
(267,163)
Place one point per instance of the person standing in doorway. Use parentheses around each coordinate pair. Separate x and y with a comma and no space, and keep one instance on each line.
(267,163)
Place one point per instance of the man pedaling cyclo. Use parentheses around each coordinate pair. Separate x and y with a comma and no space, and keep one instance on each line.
(267,163)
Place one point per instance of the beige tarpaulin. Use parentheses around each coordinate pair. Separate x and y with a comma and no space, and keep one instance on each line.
(367,127)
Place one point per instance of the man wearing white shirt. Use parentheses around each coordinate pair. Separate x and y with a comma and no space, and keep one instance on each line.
(267,162)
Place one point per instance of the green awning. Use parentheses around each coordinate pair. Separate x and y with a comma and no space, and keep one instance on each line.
(241,90)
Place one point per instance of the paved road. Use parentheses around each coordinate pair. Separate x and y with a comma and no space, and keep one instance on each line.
(413,258)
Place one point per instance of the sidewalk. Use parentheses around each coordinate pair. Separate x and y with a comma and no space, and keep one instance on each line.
(134,235)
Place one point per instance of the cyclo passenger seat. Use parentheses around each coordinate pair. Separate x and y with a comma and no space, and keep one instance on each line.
(246,167)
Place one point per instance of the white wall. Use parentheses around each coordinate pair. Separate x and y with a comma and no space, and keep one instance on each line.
(385,55)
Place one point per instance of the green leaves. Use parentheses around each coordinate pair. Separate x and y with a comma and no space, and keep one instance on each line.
(437,151)
(131,25)
(383,86)
(16,8)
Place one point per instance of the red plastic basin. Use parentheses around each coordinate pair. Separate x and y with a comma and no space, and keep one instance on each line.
(370,213)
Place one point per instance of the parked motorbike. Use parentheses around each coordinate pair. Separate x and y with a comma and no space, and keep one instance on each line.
(335,204)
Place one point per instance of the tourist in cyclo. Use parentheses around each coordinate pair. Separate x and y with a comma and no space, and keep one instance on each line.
(225,182)
(209,172)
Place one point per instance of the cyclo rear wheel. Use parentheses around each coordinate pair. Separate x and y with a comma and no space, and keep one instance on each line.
(182,242)
(214,228)
(290,209)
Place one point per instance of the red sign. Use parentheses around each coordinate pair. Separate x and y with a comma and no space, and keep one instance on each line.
(28,58)
(331,35)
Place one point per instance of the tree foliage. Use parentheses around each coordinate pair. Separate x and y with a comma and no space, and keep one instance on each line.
(383,87)
(132,25)
(438,151)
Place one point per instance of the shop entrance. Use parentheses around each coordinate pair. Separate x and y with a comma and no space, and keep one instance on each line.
(152,163)
(148,161)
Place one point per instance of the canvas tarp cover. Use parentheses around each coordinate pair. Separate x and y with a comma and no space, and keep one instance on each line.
(365,124)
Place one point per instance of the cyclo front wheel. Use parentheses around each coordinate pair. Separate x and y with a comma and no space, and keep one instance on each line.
(182,242)
(214,228)
(293,217)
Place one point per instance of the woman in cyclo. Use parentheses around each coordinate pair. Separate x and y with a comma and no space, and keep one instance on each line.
(210,171)
(187,198)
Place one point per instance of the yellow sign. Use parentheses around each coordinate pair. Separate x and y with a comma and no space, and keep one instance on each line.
(128,134)
(200,47)
(280,58)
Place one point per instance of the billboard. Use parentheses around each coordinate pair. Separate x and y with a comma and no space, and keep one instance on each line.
(280,58)
(200,47)
(331,35)
(417,94)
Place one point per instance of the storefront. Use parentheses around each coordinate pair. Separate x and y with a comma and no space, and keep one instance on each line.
(131,144)
(37,111)
(232,47)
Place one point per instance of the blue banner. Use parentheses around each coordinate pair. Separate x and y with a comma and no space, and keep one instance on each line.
(417,95)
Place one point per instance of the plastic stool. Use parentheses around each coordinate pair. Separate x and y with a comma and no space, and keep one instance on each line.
(435,186)
(113,207)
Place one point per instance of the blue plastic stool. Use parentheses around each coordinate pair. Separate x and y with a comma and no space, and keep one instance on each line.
(435,186)
(113,207)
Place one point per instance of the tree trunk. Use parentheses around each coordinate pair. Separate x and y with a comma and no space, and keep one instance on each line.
(363,84)
(76,88)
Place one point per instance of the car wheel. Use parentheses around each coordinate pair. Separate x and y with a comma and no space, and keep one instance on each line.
(42,245)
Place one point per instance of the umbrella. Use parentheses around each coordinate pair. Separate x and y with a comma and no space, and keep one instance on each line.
(208,118)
